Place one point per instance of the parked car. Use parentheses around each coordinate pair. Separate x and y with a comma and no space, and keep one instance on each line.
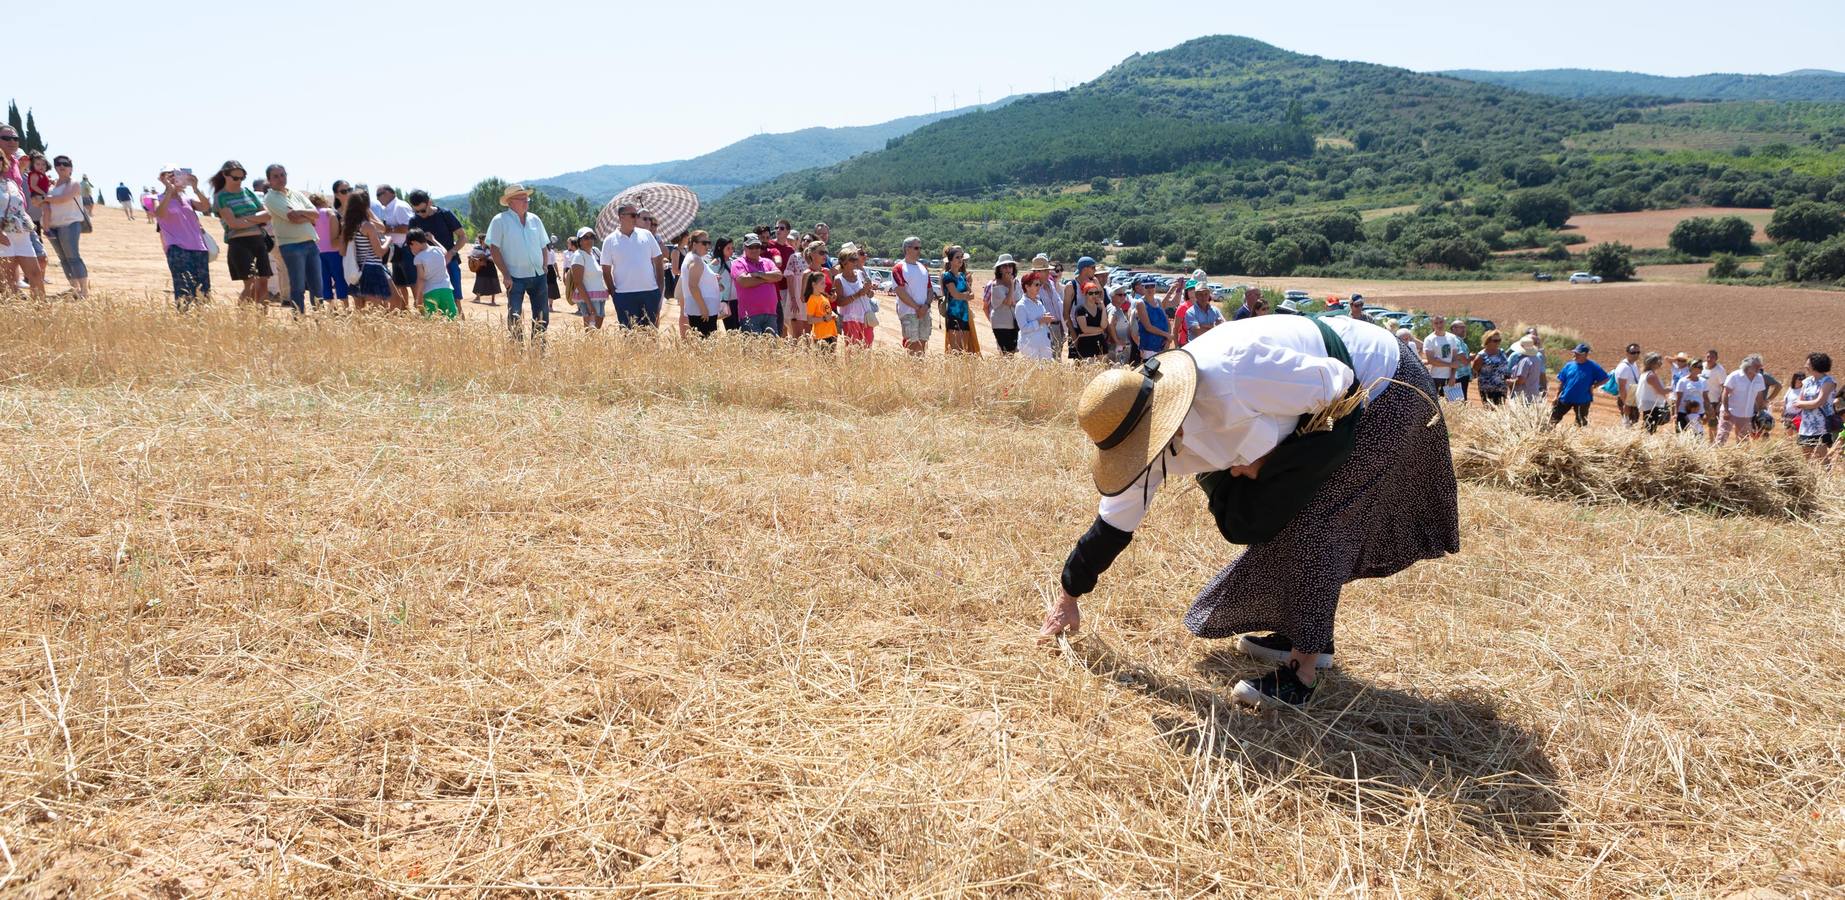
(1584,278)
(1298,296)
(1541,276)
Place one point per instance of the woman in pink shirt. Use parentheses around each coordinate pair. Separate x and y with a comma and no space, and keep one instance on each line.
(188,256)
(332,265)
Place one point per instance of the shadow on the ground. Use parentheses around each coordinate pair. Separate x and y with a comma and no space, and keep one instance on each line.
(1387,752)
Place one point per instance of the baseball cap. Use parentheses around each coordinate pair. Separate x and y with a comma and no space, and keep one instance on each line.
(1085,262)
(751,240)
(1582,347)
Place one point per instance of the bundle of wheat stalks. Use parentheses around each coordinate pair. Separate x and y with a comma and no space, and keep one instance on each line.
(1513,447)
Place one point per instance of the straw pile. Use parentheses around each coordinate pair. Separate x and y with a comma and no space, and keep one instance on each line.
(1514,448)
(389,610)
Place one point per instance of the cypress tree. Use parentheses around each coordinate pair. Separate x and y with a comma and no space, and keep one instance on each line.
(31,140)
(12,117)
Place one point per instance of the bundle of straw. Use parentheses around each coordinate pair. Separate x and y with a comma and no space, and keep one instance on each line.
(1514,448)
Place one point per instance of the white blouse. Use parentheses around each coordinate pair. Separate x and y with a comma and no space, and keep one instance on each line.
(1256,378)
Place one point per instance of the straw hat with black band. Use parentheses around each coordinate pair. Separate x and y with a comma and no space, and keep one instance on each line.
(1131,415)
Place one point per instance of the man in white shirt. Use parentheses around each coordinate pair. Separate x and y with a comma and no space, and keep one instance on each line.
(631,261)
(914,296)
(517,239)
(1627,380)
(1742,398)
(1440,351)
(1714,376)
(395,214)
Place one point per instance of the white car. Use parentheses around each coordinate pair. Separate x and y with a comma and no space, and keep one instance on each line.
(1584,278)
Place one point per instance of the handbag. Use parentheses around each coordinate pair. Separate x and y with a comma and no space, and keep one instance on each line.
(211,244)
(88,226)
(350,264)
(1254,510)
(1453,392)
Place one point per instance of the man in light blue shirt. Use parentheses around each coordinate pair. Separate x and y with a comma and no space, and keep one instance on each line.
(517,241)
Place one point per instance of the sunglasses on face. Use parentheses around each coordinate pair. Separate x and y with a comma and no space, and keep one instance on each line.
(625,215)
(9,138)
(63,165)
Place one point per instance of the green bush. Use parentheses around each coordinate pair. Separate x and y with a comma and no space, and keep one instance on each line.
(1613,261)
(1175,254)
(1724,265)
(1704,235)
(1806,220)
(1549,207)
(1137,256)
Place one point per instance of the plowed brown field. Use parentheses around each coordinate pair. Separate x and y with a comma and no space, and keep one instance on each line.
(1648,229)
(1782,324)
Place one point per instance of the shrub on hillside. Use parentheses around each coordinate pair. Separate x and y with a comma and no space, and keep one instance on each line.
(1175,254)
(1613,261)
(1548,207)
(1137,256)
(1806,220)
(1705,235)
(1724,265)
(1820,262)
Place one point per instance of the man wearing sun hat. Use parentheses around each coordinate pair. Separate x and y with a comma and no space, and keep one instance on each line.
(516,239)
(1314,443)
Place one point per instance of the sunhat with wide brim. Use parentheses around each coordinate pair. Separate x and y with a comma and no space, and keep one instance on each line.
(1040,263)
(1130,415)
(1005,259)
(514,190)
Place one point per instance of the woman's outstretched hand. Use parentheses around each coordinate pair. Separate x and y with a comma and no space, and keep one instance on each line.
(1060,618)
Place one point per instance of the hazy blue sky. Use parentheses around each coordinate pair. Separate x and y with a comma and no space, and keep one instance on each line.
(321,86)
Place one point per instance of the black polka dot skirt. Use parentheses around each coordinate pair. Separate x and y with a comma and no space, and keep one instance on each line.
(1393,505)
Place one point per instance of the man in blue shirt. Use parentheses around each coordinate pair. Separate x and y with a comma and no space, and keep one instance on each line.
(1576,384)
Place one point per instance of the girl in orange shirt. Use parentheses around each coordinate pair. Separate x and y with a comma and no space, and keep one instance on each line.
(823,325)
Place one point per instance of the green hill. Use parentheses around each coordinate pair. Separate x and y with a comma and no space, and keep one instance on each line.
(1249,159)
(1805,84)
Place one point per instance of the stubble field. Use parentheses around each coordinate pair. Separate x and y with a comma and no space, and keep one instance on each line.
(390,609)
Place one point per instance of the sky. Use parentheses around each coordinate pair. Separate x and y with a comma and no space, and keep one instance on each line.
(440,95)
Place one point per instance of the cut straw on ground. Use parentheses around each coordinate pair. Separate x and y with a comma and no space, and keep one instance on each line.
(387,608)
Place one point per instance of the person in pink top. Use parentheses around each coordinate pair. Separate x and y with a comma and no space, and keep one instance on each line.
(758,280)
(332,265)
(188,256)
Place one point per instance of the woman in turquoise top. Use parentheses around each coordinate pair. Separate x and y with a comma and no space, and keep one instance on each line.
(1155,323)
(956,292)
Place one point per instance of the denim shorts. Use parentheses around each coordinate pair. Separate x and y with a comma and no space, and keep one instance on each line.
(597,307)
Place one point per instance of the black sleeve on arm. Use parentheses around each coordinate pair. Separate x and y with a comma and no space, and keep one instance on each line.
(1095,551)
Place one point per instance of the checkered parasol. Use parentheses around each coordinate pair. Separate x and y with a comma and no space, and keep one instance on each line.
(673,204)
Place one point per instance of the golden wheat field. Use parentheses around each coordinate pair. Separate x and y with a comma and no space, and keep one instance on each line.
(388,608)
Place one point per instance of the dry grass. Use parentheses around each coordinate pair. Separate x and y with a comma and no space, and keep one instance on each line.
(378,610)
(1513,448)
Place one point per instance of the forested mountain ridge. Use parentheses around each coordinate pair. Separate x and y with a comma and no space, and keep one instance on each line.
(1805,84)
(1212,99)
(1246,158)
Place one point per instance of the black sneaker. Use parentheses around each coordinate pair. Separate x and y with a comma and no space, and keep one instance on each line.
(1275,648)
(1276,689)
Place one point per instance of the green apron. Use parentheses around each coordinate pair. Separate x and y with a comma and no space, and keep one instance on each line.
(1254,510)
